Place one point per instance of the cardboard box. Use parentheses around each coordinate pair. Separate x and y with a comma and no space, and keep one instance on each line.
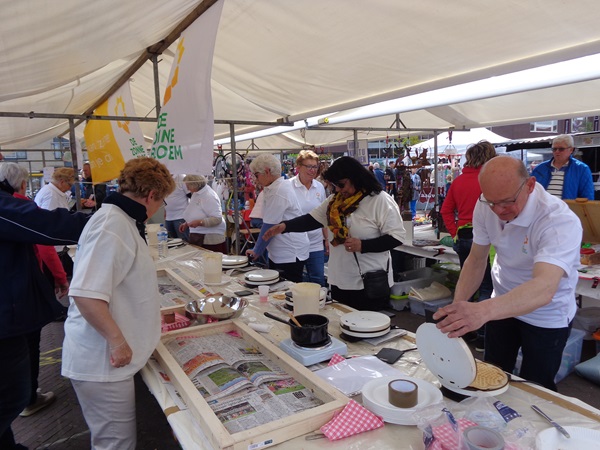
(265,435)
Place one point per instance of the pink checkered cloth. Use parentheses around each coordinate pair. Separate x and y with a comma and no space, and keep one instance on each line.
(447,439)
(351,420)
(336,359)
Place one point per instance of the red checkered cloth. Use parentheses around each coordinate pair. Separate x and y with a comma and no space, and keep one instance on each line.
(336,359)
(180,322)
(353,419)
(447,439)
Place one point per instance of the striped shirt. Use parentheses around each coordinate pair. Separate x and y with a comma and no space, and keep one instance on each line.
(555,187)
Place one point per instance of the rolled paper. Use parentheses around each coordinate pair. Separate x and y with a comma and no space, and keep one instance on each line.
(403,393)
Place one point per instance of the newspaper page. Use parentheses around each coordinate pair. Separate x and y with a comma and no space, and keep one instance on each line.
(244,387)
(222,364)
(171,294)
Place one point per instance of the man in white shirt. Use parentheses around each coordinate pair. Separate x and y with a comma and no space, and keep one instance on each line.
(537,239)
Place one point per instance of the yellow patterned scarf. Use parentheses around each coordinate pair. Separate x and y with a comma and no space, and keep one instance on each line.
(337,210)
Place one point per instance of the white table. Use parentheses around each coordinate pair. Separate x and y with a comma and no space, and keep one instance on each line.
(519,395)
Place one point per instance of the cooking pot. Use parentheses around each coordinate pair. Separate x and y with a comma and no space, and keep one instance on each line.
(312,332)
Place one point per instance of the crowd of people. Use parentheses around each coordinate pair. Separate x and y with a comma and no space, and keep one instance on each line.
(517,242)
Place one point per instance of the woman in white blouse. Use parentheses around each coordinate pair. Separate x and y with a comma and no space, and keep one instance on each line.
(203,216)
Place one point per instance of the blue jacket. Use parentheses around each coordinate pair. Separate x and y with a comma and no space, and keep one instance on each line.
(27,298)
(578,179)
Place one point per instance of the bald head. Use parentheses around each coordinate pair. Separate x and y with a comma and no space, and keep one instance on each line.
(504,181)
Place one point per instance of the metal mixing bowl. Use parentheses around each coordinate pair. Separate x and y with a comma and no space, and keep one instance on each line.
(218,308)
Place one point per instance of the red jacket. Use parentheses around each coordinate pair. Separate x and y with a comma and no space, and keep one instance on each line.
(461,198)
(46,255)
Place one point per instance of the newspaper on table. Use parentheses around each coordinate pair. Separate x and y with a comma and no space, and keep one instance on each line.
(171,294)
(243,386)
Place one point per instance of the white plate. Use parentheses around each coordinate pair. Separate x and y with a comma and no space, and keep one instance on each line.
(234,266)
(365,322)
(581,438)
(174,242)
(258,283)
(262,275)
(224,280)
(234,260)
(366,335)
(375,399)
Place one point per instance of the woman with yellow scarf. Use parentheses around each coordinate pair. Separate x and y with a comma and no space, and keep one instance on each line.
(363,220)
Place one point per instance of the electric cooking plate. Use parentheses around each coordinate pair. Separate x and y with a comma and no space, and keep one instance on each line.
(262,275)
(365,322)
(450,360)
(234,260)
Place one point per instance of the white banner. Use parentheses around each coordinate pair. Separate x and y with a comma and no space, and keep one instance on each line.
(185,129)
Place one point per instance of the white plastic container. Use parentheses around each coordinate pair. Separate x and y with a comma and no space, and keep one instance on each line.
(588,320)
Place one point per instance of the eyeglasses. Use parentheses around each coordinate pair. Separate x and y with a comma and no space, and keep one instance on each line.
(560,149)
(504,203)
(256,174)
(164,202)
(339,184)
(309,167)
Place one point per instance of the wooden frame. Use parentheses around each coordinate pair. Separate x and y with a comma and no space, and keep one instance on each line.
(265,435)
(185,287)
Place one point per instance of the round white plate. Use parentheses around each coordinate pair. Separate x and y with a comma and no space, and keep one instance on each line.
(375,399)
(365,321)
(449,359)
(233,266)
(258,283)
(262,275)
(365,335)
(234,260)
(224,280)
(174,242)
(581,438)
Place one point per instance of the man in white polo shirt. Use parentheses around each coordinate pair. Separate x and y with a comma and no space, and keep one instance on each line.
(537,239)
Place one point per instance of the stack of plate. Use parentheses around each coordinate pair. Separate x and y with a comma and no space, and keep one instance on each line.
(234,261)
(289,299)
(174,242)
(375,399)
(262,276)
(365,324)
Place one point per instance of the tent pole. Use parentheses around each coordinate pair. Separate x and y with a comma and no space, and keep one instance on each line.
(156,84)
(236,209)
(435,180)
(73,145)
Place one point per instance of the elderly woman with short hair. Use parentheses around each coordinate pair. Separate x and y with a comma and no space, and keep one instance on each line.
(287,253)
(203,216)
(54,194)
(114,314)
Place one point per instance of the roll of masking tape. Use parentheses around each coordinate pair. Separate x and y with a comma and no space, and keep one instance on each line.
(480,438)
(403,393)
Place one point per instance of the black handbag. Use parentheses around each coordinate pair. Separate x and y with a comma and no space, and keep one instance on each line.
(376,284)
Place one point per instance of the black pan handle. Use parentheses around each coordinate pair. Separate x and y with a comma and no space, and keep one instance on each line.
(278,319)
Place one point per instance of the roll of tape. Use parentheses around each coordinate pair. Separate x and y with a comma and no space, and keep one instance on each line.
(403,393)
(482,438)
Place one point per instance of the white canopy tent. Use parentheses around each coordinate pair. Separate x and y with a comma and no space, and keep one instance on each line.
(290,61)
(456,143)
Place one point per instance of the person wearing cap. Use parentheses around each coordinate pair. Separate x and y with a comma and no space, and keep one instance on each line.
(203,216)
(537,238)
(28,299)
(564,176)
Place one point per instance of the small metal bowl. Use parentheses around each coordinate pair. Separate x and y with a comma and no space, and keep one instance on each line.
(218,308)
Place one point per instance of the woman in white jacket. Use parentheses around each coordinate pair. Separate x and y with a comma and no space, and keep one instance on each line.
(203,216)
